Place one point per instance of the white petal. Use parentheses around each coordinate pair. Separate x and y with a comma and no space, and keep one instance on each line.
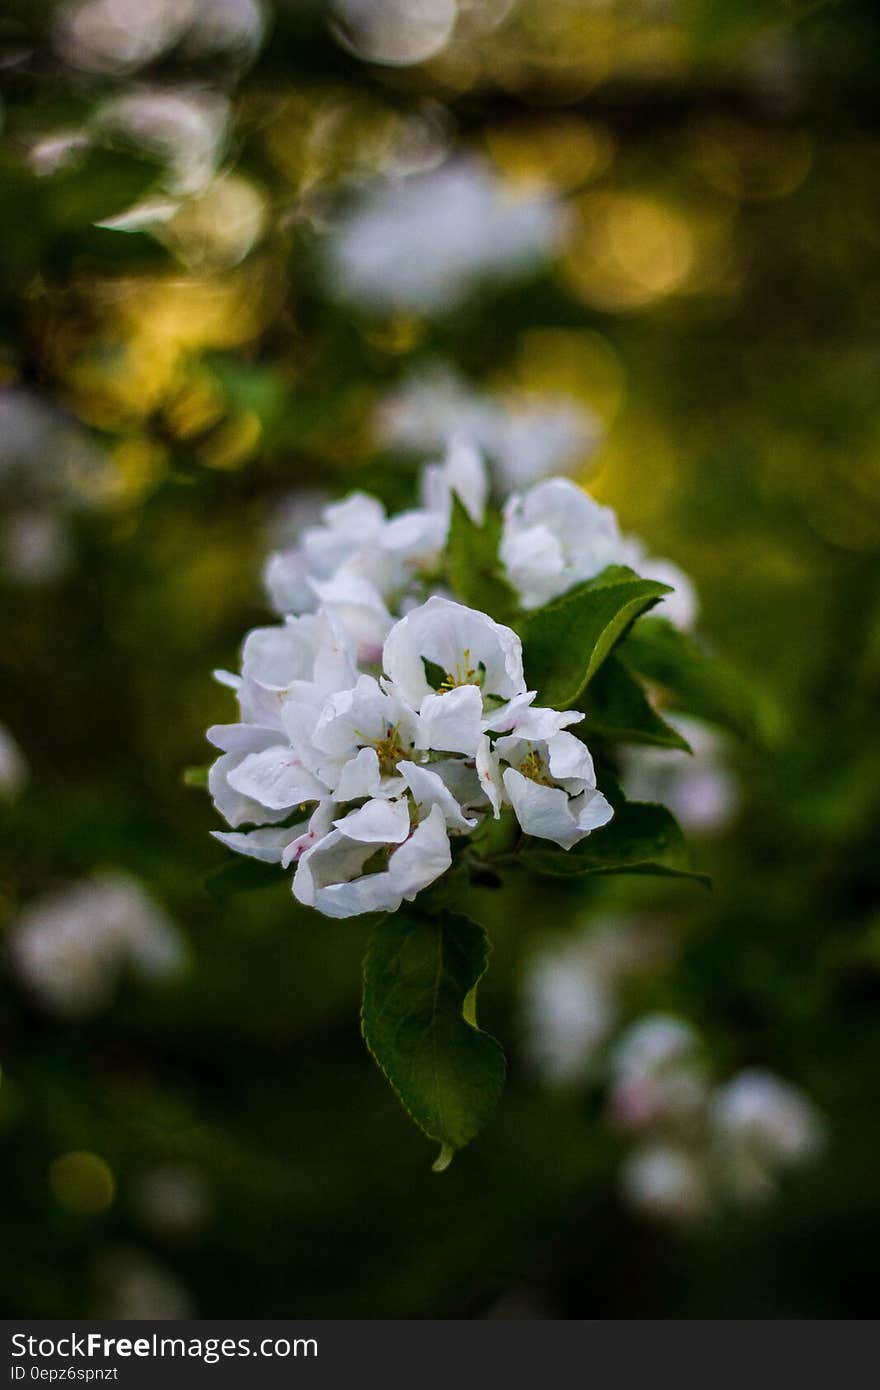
(569,760)
(544,812)
(590,811)
(285,579)
(430,790)
(319,825)
(507,716)
(456,639)
(236,808)
(378,822)
(259,704)
(327,878)
(276,656)
(276,778)
(489,773)
(452,723)
(227,678)
(266,844)
(241,738)
(359,777)
(537,724)
(423,858)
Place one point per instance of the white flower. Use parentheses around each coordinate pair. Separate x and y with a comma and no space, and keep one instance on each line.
(420,244)
(554,537)
(571,991)
(527,436)
(187,129)
(457,667)
(463,473)
(700,790)
(666,1182)
(71,948)
(549,781)
(330,875)
(367,730)
(657,1073)
(681,606)
(759,1114)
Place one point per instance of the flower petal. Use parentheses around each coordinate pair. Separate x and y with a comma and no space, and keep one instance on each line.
(276,778)
(377,822)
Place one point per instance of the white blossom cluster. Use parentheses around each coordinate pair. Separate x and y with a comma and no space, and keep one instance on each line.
(573,991)
(700,1144)
(527,435)
(696,1144)
(556,536)
(421,244)
(382,721)
(70,948)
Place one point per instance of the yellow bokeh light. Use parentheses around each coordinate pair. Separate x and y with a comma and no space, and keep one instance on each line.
(627,250)
(751,163)
(572,362)
(82,1182)
(561,152)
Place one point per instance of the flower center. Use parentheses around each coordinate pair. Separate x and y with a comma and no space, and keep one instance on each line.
(390,750)
(533,767)
(463,673)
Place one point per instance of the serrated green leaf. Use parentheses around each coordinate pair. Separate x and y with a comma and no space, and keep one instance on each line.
(695,683)
(419,1022)
(618,709)
(566,641)
(643,838)
(474,569)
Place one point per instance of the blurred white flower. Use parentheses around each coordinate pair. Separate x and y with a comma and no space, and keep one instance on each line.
(185,128)
(133,1285)
(421,244)
(657,1074)
(701,790)
(761,1125)
(14,770)
(71,947)
(36,546)
(121,36)
(665,1182)
(571,995)
(526,436)
(116,36)
(398,33)
(555,536)
(173,1199)
(46,457)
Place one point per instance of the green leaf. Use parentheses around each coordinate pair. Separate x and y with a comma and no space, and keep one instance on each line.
(643,838)
(618,709)
(419,1022)
(566,641)
(474,570)
(434,674)
(695,683)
